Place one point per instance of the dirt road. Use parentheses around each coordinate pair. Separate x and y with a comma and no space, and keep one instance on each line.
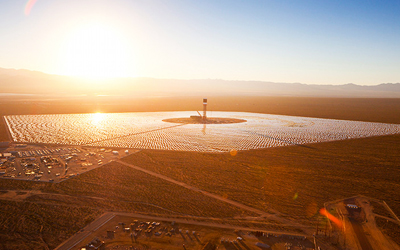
(262,214)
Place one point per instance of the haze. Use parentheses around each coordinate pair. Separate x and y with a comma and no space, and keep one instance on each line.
(312,42)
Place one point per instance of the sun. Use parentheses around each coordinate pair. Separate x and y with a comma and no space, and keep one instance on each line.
(95,50)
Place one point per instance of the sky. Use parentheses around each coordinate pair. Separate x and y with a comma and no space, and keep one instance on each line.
(312,42)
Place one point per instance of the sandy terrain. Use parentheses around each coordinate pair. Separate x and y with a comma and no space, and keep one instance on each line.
(294,180)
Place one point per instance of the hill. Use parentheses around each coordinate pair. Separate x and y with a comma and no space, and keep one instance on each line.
(37,83)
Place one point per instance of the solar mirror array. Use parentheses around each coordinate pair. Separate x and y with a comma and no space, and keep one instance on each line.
(147,130)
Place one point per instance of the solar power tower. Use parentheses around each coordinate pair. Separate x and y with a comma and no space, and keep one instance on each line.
(204,109)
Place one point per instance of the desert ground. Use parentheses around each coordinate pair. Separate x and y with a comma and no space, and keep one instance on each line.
(293,182)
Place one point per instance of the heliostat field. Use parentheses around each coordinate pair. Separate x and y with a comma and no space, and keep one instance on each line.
(147,130)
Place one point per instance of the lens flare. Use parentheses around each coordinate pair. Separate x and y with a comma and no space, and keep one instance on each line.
(331,217)
(29,6)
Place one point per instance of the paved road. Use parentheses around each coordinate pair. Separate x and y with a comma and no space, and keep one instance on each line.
(200,223)
(88,230)
(103,219)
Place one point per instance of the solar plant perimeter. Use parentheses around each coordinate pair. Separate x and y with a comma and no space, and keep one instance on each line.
(147,130)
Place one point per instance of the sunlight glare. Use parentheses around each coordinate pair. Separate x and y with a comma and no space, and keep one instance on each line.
(97,118)
(95,51)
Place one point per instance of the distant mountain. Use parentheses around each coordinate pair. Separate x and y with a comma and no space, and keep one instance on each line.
(38,83)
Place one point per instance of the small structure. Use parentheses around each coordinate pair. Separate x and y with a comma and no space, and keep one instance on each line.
(352,206)
(95,244)
(7,155)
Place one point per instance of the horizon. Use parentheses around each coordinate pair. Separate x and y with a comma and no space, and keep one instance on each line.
(22,81)
(197,79)
(314,43)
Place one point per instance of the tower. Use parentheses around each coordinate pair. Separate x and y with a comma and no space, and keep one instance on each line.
(204,109)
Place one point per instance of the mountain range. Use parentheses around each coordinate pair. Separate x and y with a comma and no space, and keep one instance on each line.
(26,82)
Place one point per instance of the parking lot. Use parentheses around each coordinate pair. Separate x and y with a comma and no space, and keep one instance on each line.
(54,164)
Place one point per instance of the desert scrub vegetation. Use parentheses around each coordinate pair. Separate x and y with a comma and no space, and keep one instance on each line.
(123,185)
(389,228)
(47,218)
(216,173)
(11,184)
(294,180)
(120,188)
(28,225)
